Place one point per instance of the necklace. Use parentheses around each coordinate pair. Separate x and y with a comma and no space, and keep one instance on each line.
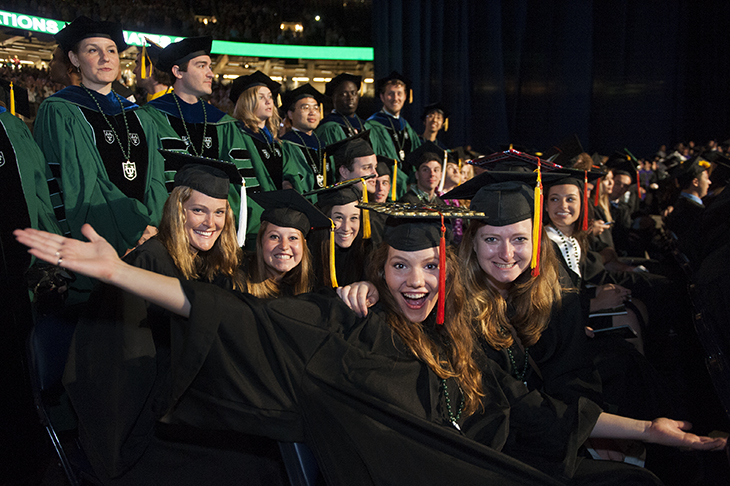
(520,375)
(453,418)
(350,129)
(312,163)
(129,169)
(185,126)
(396,137)
(569,248)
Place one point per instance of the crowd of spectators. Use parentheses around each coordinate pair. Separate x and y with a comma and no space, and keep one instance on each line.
(235,20)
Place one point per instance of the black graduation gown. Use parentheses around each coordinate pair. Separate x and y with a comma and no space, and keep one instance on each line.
(307,369)
(118,379)
(685,221)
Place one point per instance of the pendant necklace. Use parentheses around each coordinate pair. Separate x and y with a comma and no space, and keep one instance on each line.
(396,137)
(127,167)
(453,418)
(185,126)
(520,375)
(272,145)
(571,255)
(352,130)
(312,163)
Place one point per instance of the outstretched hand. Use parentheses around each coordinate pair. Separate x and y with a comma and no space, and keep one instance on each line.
(359,296)
(95,258)
(672,433)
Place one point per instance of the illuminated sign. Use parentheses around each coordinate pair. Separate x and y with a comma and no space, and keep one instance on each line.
(50,26)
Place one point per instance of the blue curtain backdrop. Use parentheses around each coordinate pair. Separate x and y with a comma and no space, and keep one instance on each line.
(618,73)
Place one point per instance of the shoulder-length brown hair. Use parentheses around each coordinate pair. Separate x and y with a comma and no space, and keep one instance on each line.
(246,107)
(452,360)
(298,280)
(531,298)
(578,233)
(223,258)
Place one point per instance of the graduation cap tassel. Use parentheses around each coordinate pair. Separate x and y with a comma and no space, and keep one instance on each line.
(395,179)
(584,223)
(446,125)
(410,96)
(442,275)
(596,192)
(143,59)
(537,225)
(12,99)
(324,170)
(333,271)
(242,217)
(366,233)
(443,172)
(321,111)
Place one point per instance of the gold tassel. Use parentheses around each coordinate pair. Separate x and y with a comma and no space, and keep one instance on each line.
(366,233)
(446,125)
(410,96)
(324,170)
(12,99)
(278,100)
(321,111)
(143,59)
(333,272)
(537,225)
(395,179)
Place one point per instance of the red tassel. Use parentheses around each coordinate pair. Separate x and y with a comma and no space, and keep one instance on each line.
(442,275)
(638,185)
(596,191)
(584,225)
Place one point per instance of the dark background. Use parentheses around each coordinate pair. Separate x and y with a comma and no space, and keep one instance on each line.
(618,73)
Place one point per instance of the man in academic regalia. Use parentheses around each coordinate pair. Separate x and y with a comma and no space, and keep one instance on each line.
(434,118)
(427,162)
(188,123)
(307,164)
(694,180)
(343,122)
(391,135)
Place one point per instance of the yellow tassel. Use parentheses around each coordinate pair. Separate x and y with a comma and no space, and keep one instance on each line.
(278,100)
(143,59)
(12,99)
(446,125)
(365,213)
(536,224)
(410,96)
(333,272)
(395,179)
(324,170)
(321,111)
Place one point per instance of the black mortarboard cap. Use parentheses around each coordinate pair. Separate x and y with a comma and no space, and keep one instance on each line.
(434,107)
(182,51)
(563,153)
(288,209)
(19,103)
(209,176)
(622,163)
(427,151)
(305,91)
(512,160)
(468,189)
(83,27)
(329,88)
(504,203)
(385,166)
(690,169)
(153,50)
(338,195)
(575,177)
(720,174)
(394,75)
(242,83)
(343,151)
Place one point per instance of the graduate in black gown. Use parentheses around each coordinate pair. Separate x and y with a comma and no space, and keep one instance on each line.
(399,386)
(119,371)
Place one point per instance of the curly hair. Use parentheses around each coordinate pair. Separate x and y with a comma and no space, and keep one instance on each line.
(531,299)
(298,280)
(452,355)
(246,107)
(223,258)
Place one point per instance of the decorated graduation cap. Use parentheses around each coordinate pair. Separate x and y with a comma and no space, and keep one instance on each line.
(15,98)
(338,195)
(415,227)
(242,83)
(343,151)
(513,160)
(150,55)
(182,51)
(83,28)
(211,177)
(289,209)
(436,108)
(690,169)
(305,91)
(395,76)
(329,88)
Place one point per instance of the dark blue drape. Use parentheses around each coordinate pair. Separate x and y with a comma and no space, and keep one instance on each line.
(618,73)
